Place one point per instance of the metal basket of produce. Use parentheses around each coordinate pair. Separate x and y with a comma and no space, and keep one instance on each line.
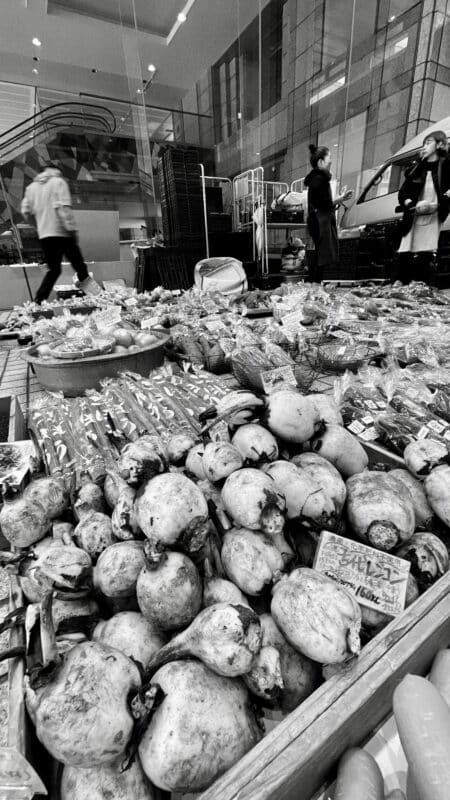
(343,356)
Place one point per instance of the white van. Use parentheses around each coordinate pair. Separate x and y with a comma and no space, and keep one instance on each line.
(375,207)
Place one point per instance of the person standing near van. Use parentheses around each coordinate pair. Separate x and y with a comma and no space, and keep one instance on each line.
(321,210)
(424,198)
(48,200)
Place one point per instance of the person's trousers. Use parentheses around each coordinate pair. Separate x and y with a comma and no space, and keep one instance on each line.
(54,248)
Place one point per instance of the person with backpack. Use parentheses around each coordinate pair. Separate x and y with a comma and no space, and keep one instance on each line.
(47,199)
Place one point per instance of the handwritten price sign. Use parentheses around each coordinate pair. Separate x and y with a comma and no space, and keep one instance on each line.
(377,580)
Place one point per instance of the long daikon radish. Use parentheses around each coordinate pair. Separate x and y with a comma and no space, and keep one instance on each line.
(411,788)
(359,777)
(440,678)
(423,722)
(440,675)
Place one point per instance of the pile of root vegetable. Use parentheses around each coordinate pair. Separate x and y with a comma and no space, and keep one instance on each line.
(169,607)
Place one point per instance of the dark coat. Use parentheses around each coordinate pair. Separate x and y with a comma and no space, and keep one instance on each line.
(412,186)
(321,217)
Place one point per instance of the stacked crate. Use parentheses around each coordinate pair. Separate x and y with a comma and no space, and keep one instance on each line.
(181,198)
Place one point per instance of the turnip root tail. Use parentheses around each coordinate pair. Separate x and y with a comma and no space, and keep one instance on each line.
(41,673)
(15,617)
(142,706)
(173,651)
(154,554)
(14,560)
(195,535)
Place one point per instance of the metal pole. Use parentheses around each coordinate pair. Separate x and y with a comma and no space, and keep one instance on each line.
(205,213)
(16,234)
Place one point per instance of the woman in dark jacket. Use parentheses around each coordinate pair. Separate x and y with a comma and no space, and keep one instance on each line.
(321,210)
(424,198)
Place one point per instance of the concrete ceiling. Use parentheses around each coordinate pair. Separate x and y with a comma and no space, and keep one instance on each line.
(157,16)
(80,36)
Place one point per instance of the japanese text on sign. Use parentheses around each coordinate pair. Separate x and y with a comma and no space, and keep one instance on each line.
(377,579)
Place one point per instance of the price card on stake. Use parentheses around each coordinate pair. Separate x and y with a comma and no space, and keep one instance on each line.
(292,321)
(376,579)
(111,316)
(278,378)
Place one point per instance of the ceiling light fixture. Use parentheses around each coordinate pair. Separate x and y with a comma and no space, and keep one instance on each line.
(35,71)
(151,68)
(138,91)
(391,19)
(37,42)
(181,17)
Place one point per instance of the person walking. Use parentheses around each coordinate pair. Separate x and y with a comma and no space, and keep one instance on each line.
(47,199)
(321,210)
(424,199)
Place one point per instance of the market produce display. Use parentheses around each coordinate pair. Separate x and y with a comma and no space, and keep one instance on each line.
(177,528)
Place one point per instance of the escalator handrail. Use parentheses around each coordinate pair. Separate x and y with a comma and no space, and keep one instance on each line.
(33,118)
(35,130)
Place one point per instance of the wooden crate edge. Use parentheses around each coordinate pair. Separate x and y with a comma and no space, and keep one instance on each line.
(238,780)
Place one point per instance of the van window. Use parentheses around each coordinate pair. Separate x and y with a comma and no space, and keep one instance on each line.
(387,180)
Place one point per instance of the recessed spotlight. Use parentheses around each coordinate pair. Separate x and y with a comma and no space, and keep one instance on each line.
(37,42)
(138,91)
(391,19)
(35,71)
(181,17)
(258,153)
(122,119)
(239,115)
(151,68)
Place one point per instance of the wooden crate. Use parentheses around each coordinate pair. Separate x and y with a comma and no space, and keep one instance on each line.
(295,759)
(299,755)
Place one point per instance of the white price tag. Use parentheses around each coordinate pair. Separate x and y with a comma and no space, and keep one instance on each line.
(220,433)
(131,301)
(111,316)
(423,433)
(436,426)
(214,325)
(148,322)
(278,378)
(368,419)
(291,322)
(377,579)
(356,427)
(369,435)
